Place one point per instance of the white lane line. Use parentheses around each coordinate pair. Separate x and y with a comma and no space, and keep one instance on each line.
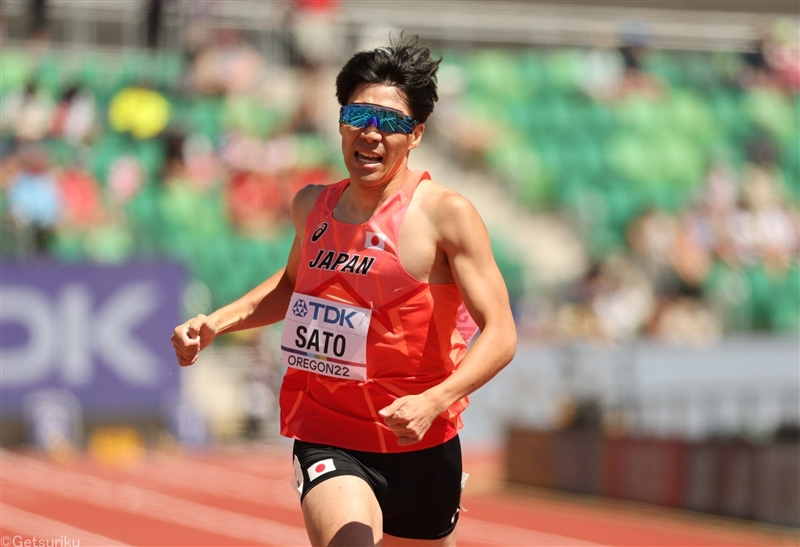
(192,475)
(487,533)
(469,529)
(183,473)
(130,499)
(30,526)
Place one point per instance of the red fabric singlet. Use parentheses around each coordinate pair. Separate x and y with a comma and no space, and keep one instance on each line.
(414,339)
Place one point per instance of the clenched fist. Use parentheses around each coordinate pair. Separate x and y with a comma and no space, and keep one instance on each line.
(190,338)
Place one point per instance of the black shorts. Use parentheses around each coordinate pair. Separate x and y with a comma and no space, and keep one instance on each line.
(419,492)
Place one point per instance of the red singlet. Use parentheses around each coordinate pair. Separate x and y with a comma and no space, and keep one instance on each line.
(417,333)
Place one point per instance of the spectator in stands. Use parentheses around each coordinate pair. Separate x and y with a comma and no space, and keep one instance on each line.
(768,229)
(254,203)
(690,257)
(774,59)
(125,179)
(636,80)
(603,71)
(75,115)
(38,21)
(574,318)
(34,200)
(652,236)
(201,163)
(625,300)
(312,27)
(80,196)
(230,65)
(27,113)
(155,10)
(685,320)
(755,69)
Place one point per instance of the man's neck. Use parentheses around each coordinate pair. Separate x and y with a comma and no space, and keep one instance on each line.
(359,202)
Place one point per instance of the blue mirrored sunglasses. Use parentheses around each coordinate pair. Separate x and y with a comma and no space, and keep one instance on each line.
(387,120)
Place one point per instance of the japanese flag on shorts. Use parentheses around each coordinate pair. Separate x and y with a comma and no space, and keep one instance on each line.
(297,480)
(320,468)
(375,241)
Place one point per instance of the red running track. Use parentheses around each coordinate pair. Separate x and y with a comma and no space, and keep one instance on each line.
(243,497)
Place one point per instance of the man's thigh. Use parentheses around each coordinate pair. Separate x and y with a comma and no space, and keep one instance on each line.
(342,511)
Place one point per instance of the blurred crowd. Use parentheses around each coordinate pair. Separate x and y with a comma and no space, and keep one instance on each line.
(679,171)
(161,154)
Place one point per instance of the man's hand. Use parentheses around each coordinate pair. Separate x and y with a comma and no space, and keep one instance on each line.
(190,338)
(410,417)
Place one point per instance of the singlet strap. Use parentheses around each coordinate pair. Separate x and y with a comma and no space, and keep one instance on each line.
(325,202)
(329,197)
(413,180)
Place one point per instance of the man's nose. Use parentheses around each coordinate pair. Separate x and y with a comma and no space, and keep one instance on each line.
(371,132)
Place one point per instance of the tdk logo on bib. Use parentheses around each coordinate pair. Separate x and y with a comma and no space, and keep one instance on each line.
(331,315)
(300,309)
(325,337)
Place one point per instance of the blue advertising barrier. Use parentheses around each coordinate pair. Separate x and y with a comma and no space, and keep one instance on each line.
(100,332)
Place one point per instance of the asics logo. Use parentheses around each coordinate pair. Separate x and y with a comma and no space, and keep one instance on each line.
(319,231)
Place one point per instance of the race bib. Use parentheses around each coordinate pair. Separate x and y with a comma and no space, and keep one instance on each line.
(325,337)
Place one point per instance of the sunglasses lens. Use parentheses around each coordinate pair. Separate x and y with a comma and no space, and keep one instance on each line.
(388,121)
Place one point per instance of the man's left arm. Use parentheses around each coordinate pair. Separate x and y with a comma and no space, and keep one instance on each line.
(465,241)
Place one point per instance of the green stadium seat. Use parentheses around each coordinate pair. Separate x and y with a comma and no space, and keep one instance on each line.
(67,246)
(312,151)
(688,114)
(113,244)
(644,115)
(682,165)
(151,154)
(665,66)
(50,76)
(563,68)
(785,303)
(168,69)
(15,71)
(699,72)
(495,73)
(771,111)
(104,152)
(623,206)
(633,158)
(761,289)
(206,117)
(533,74)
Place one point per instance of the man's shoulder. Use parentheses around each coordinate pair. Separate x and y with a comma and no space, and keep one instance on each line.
(310,192)
(307,196)
(440,202)
(304,201)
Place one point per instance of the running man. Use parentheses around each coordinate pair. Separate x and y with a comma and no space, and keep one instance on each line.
(385,274)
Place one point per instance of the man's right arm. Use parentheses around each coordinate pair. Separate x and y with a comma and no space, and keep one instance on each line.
(264,305)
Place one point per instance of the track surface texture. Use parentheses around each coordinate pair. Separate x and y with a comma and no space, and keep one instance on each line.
(241,496)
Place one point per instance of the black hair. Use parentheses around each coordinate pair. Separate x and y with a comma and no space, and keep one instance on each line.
(404,64)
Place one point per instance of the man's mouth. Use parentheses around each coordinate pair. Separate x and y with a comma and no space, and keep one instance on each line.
(368,157)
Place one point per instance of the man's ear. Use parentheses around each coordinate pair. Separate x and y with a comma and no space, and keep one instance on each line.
(419,129)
